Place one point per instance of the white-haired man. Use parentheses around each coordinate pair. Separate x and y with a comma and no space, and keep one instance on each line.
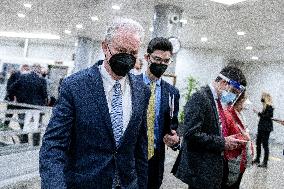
(97,136)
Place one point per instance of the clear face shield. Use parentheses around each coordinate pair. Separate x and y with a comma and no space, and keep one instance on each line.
(230,96)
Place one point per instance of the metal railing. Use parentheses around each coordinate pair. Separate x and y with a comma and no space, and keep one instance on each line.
(22,124)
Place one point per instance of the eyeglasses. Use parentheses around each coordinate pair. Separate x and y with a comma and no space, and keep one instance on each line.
(162,61)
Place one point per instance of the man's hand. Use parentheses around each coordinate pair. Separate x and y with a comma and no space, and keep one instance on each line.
(232,143)
(171,140)
(246,136)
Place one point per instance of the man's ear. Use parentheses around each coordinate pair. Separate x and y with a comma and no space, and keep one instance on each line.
(146,57)
(104,47)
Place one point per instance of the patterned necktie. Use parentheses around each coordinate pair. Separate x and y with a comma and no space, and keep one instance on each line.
(116,113)
(222,117)
(151,121)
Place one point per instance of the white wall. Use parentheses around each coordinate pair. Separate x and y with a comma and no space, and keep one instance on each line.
(11,50)
(42,53)
(204,65)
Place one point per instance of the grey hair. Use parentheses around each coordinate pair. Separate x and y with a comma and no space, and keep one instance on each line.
(127,24)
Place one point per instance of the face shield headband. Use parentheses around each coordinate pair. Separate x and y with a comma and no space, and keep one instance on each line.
(233,83)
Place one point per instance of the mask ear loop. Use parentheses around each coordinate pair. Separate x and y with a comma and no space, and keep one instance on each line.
(109,50)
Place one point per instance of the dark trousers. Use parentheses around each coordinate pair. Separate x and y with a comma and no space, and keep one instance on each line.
(224,185)
(155,171)
(262,138)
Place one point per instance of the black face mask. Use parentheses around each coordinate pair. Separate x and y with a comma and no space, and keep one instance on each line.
(262,100)
(122,63)
(158,69)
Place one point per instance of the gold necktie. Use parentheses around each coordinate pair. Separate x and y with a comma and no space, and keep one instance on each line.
(151,121)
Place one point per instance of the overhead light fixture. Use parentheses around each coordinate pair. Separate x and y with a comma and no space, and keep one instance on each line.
(29,35)
(204,39)
(249,48)
(28,5)
(241,33)
(254,58)
(79,26)
(228,2)
(67,31)
(184,21)
(94,18)
(21,15)
(115,7)
(151,29)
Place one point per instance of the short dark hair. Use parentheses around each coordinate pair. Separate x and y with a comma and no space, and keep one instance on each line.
(233,73)
(159,43)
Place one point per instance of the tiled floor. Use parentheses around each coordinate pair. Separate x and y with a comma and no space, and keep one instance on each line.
(26,163)
(254,177)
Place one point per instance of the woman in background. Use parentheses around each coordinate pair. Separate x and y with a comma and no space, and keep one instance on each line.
(265,126)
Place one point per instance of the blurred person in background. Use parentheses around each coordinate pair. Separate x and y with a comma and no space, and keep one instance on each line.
(25,69)
(31,89)
(15,75)
(238,159)
(51,99)
(137,70)
(265,126)
(44,73)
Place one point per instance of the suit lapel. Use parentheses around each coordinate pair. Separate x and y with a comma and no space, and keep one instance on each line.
(97,89)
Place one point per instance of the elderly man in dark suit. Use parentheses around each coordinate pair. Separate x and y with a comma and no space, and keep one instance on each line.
(97,137)
(200,162)
(162,111)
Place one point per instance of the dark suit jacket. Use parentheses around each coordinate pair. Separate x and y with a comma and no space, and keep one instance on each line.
(164,119)
(29,89)
(79,150)
(200,161)
(265,121)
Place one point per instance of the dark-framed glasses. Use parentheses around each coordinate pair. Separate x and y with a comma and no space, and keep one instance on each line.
(162,61)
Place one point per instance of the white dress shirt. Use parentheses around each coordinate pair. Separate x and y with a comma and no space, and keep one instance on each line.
(108,84)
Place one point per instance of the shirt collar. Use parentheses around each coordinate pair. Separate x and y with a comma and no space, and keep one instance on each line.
(109,81)
(213,90)
(147,80)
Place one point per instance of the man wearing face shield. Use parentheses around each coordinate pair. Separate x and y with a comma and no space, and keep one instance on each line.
(200,162)
(163,109)
(97,137)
